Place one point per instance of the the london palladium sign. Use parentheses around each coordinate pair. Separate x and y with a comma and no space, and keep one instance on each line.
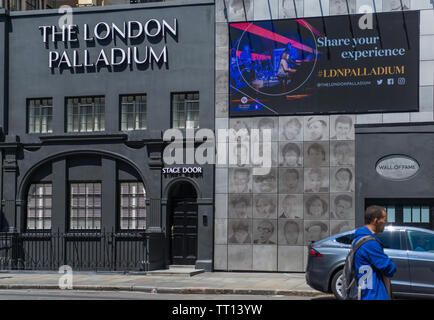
(106,33)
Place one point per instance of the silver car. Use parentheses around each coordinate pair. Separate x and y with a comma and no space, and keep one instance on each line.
(412,250)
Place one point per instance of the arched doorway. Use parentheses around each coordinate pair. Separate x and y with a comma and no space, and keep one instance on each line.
(183,223)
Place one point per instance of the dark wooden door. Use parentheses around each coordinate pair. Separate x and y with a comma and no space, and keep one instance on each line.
(184,232)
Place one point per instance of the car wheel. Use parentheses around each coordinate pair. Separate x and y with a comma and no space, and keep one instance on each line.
(337,285)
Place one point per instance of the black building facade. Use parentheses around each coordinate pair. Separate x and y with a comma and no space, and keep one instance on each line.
(84,110)
(395,170)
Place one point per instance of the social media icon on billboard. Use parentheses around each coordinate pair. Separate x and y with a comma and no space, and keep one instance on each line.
(401,81)
(380,82)
(390,81)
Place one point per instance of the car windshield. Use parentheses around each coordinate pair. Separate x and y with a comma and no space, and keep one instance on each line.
(421,241)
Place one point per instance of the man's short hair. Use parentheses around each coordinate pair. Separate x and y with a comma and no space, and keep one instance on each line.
(294,121)
(344,170)
(344,120)
(267,222)
(240,226)
(262,178)
(373,212)
(287,172)
(242,170)
(344,197)
(264,121)
(267,200)
(289,223)
(340,144)
(317,171)
(291,147)
(320,224)
(316,147)
(239,199)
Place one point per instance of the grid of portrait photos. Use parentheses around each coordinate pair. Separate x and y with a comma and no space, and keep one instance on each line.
(307,195)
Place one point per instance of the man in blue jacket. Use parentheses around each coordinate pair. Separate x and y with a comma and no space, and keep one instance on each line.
(370,262)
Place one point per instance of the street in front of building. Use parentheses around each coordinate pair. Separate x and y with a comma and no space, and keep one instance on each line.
(125,295)
(92,100)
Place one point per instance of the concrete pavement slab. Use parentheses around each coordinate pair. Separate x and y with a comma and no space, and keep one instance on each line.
(208,282)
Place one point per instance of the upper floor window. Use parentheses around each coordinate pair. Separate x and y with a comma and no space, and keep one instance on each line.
(39,200)
(40,115)
(416,214)
(85,206)
(390,209)
(85,114)
(185,110)
(133,112)
(133,206)
(412,212)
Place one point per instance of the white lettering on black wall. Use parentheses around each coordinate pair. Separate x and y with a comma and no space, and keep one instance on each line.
(127,32)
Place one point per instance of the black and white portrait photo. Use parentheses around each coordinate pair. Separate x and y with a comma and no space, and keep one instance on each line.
(240,206)
(265,123)
(290,180)
(316,207)
(316,180)
(290,232)
(291,129)
(342,127)
(342,153)
(340,226)
(316,128)
(240,180)
(239,231)
(264,231)
(342,179)
(290,206)
(342,7)
(291,154)
(266,183)
(240,9)
(242,127)
(316,154)
(259,155)
(265,206)
(315,230)
(342,206)
(396,5)
(290,8)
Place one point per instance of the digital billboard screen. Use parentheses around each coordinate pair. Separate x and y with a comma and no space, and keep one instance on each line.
(323,65)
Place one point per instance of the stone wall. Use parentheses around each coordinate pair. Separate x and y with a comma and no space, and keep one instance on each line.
(242,208)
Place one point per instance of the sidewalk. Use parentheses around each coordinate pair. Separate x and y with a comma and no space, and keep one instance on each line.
(207,282)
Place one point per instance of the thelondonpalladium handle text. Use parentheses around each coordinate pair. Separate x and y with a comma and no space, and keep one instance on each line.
(103,31)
